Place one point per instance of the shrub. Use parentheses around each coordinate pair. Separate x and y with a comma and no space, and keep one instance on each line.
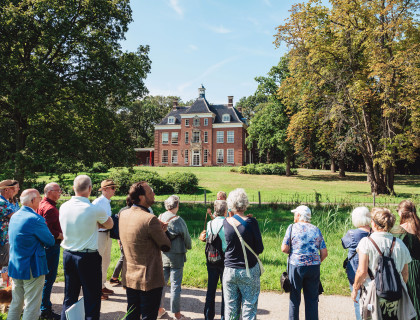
(186,182)
(154,180)
(123,178)
(251,169)
(262,168)
(98,167)
(233,169)
(243,169)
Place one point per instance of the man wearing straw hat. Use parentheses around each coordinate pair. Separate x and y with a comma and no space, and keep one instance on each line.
(108,188)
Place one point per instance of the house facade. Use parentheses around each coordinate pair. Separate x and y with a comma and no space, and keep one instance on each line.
(202,135)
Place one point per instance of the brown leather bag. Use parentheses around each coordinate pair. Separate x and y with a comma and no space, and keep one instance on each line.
(203,233)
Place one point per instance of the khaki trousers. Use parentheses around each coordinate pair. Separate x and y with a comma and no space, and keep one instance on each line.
(104,249)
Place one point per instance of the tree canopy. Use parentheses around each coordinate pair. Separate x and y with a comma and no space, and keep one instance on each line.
(63,74)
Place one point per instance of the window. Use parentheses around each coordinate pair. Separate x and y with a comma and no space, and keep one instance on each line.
(206,136)
(230,156)
(219,155)
(164,156)
(171,120)
(187,122)
(174,139)
(187,138)
(220,137)
(206,122)
(186,157)
(226,118)
(230,136)
(165,138)
(196,137)
(174,156)
(196,122)
(206,156)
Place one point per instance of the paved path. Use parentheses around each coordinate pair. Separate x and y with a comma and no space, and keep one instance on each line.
(270,306)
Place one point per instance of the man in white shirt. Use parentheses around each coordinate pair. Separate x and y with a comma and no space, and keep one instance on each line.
(108,188)
(79,220)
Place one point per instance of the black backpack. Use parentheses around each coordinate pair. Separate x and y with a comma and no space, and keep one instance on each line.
(387,278)
(214,253)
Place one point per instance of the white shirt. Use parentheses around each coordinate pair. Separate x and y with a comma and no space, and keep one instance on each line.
(104,203)
(79,222)
(400,254)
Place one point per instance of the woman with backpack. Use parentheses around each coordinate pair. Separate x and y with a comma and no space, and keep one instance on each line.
(241,276)
(409,232)
(174,259)
(215,248)
(383,292)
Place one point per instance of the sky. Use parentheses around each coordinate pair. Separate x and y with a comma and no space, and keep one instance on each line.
(222,44)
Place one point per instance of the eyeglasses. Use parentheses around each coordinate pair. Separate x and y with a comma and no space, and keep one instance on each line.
(113,188)
(58,190)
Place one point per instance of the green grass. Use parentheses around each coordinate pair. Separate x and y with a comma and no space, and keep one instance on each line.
(309,186)
(273,222)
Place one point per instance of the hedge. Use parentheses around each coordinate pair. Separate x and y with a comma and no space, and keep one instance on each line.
(263,168)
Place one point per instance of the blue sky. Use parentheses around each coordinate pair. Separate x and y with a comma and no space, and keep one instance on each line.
(221,44)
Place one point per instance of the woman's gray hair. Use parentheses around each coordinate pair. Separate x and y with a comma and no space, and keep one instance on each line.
(82,183)
(360,217)
(220,207)
(172,202)
(238,200)
(304,217)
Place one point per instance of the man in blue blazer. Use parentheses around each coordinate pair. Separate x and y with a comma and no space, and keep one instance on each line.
(28,235)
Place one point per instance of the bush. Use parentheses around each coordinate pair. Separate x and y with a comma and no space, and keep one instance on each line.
(234,169)
(262,168)
(154,180)
(123,178)
(186,183)
(98,167)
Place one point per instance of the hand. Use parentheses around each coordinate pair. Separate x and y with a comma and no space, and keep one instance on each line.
(354,295)
(249,215)
(60,236)
(164,226)
(209,211)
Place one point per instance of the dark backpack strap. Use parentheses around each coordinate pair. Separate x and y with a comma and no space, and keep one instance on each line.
(211,231)
(352,256)
(392,246)
(290,247)
(376,246)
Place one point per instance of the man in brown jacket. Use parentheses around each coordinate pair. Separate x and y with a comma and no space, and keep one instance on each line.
(143,238)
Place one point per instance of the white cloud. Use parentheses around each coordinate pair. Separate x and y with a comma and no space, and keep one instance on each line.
(174,4)
(193,47)
(220,29)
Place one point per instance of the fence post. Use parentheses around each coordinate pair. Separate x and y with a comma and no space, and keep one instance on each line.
(205,197)
(259,198)
(374,200)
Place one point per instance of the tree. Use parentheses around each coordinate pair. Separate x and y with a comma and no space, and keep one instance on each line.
(358,62)
(63,75)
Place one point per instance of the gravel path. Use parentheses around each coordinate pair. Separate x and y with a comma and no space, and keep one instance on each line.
(270,306)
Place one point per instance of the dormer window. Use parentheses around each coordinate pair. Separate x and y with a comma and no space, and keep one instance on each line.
(171,120)
(226,118)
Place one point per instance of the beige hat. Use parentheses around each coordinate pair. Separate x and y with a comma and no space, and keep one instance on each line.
(7,184)
(107,183)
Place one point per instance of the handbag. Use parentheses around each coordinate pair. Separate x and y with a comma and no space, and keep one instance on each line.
(284,279)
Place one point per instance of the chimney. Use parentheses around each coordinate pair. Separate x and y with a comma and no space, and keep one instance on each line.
(175,105)
(230,101)
(239,109)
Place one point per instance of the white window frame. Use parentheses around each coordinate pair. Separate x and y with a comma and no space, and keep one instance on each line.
(205,156)
(220,136)
(206,137)
(187,138)
(163,156)
(171,120)
(186,160)
(206,121)
(230,137)
(226,117)
(174,156)
(174,137)
(187,122)
(230,156)
(193,137)
(219,155)
(165,137)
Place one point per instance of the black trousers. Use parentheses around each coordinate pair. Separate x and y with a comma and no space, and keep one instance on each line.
(143,303)
(83,270)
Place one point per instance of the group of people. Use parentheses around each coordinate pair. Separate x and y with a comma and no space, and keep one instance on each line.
(153,251)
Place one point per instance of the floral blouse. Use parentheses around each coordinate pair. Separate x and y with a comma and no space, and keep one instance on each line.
(307,240)
(5,210)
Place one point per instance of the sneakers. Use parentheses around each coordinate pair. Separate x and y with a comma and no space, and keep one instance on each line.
(49,315)
(181,318)
(115,282)
(161,312)
(104,297)
(107,291)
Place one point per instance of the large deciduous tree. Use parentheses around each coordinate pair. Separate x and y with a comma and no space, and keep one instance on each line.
(62,76)
(358,61)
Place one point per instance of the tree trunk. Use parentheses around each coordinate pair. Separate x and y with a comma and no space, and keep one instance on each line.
(341,166)
(390,176)
(377,182)
(333,165)
(288,164)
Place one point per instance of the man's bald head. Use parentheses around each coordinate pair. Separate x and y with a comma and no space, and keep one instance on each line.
(30,198)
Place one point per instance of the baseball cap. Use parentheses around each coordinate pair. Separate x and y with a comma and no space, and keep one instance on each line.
(302,210)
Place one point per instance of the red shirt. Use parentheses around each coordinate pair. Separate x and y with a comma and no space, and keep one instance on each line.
(47,209)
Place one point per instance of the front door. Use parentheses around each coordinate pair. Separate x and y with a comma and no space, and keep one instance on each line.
(196,161)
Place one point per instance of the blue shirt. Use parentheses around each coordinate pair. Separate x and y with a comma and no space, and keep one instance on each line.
(350,241)
(307,240)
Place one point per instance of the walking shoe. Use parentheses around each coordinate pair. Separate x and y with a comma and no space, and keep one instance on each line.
(114,281)
(107,291)
(49,315)
(181,318)
(104,297)
(161,312)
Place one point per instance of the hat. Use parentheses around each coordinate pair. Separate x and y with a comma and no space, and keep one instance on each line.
(107,183)
(7,184)
(303,211)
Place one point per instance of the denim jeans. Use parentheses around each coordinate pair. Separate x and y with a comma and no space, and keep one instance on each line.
(306,278)
(176,279)
(143,303)
(241,292)
(119,265)
(356,305)
(53,257)
(214,273)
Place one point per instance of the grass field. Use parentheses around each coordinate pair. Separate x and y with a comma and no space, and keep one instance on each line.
(309,186)
(273,222)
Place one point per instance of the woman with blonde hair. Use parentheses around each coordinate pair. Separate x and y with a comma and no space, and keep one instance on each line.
(409,232)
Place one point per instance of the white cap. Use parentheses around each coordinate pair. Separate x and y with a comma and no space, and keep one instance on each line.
(303,211)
